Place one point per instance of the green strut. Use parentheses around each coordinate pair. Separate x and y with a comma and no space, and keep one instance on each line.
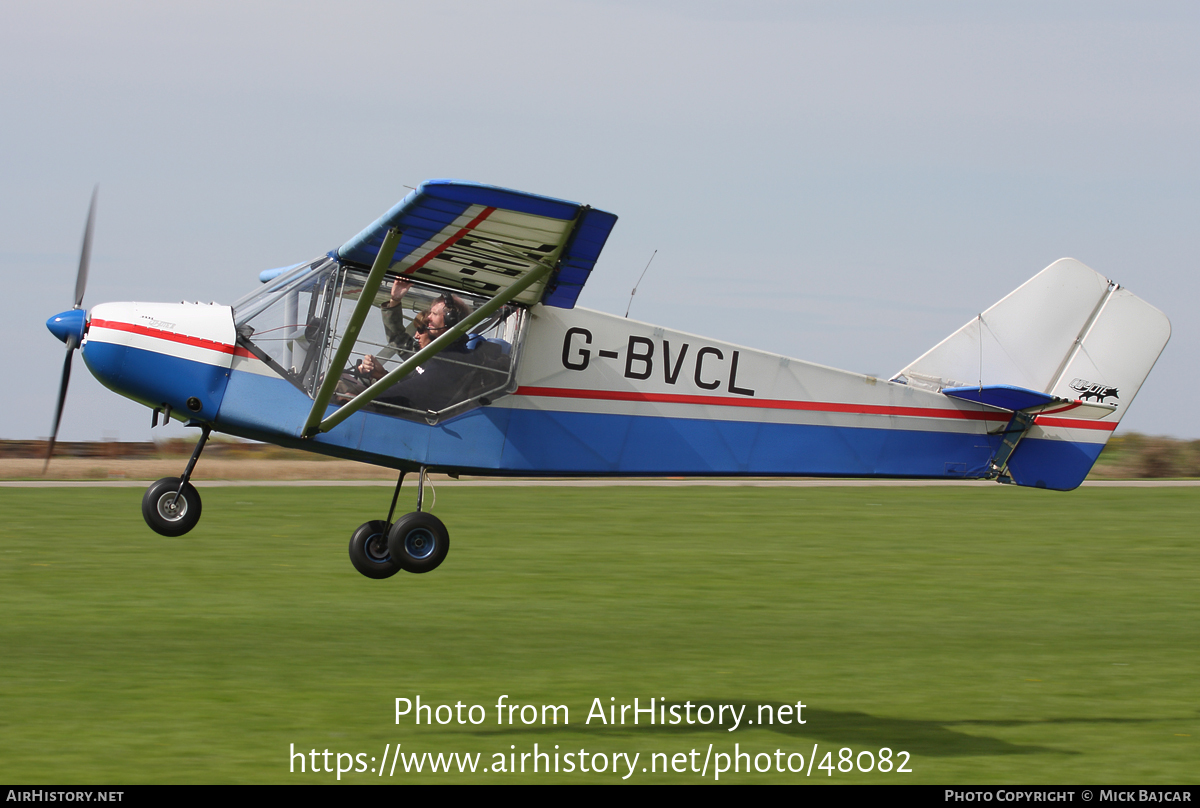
(429,351)
(336,365)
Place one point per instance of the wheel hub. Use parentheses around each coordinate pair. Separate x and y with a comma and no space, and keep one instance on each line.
(419,543)
(377,548)
(172,508)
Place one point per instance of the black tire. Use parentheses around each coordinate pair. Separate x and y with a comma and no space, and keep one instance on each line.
(165,518)
(419,542)
(369,551)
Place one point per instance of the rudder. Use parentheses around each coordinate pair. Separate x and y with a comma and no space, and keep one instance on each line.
(1068,332)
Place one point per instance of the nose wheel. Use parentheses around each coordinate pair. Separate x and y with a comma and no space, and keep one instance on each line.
(170,510)
(171,506)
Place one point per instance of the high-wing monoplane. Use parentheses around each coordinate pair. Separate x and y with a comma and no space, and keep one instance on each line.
(445,337)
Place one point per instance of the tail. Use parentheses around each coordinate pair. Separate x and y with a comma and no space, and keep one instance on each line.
(1066,353)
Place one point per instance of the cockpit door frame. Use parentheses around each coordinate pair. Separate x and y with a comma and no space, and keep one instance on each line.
(313,425)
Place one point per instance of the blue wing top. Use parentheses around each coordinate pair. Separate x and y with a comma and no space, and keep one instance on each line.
(481,239)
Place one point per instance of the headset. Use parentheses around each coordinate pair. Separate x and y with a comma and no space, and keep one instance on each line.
(455,309)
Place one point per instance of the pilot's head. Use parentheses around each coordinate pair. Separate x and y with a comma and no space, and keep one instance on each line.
(421,329)
(446,312)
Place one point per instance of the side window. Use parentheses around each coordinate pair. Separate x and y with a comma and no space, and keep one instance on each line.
(284,325)
(472,371)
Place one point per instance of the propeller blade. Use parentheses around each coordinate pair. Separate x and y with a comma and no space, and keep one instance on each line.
(85,255)
(62,397)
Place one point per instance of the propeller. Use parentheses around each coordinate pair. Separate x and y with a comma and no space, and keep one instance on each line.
(69,325)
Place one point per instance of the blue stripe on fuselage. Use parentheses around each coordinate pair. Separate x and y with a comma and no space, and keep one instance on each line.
(154,379)
(516,441)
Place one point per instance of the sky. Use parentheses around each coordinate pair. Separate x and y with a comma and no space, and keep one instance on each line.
(844,183)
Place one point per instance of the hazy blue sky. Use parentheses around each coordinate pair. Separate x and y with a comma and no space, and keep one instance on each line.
(845,183)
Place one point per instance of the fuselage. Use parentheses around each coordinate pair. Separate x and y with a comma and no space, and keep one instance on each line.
(595,394)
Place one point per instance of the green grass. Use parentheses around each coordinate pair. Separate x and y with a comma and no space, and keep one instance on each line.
(997,635)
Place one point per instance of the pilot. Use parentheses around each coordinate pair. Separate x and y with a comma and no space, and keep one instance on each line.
(446,311)
(373,367)
(436,384)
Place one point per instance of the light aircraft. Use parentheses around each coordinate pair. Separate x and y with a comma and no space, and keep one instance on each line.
(445,337)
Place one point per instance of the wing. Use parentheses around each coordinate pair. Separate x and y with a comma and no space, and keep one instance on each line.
(482,239)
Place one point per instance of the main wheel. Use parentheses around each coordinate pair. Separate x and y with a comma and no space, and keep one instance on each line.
(167,515)
(369,551)
(418,541)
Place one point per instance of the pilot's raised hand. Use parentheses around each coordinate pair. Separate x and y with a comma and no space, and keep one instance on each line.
(399,290)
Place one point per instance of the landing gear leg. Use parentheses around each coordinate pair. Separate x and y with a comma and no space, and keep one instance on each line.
(419,541)
(396,496)
(171,506)
(369,551)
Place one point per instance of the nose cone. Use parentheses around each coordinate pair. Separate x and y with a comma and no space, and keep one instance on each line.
(173,355)
(70,323)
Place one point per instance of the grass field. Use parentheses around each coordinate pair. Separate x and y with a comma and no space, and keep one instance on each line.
(996,635)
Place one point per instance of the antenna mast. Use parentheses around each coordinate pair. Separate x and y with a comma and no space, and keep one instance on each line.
(639,283)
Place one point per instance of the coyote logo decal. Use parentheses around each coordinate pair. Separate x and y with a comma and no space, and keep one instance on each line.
(1095,391)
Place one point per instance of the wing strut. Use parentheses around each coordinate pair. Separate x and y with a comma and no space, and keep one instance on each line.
(336,365)
(539,272)
(428,352)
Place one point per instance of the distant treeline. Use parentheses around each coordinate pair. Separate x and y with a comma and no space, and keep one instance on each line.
(1134,456)
(1127,456)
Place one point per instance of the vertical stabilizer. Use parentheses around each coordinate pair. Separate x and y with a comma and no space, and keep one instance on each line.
(1068,332)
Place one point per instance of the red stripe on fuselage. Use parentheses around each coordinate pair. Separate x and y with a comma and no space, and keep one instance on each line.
(436,251)
(761,403)
(809,406)
(1075,423)
(171,336)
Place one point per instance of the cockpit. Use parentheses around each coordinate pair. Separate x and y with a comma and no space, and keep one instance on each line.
(295,324)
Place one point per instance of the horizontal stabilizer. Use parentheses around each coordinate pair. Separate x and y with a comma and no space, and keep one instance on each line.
(483,239)
(1002,396)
